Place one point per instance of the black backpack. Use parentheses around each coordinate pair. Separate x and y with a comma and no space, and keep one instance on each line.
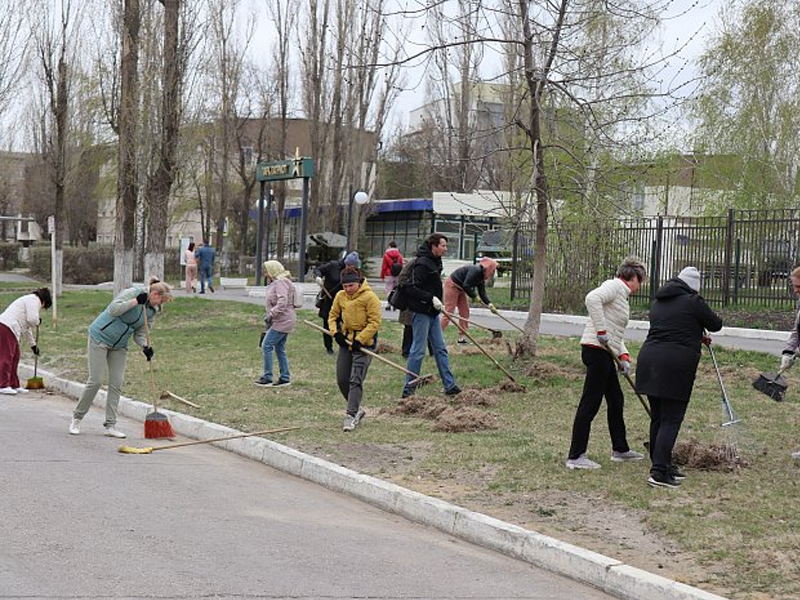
(396,267)
(397,295)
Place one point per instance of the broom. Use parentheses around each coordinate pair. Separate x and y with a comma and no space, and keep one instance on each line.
(156,424)
(35,382)
(134,450)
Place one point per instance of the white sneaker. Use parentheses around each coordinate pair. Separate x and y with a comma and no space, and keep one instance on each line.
(582,463)
(115,433)
(626,456)
(796,455)
(22,391)
(75,427)
(8,391)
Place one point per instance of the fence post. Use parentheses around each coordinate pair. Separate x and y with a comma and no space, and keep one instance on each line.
(658,250)
(726,275)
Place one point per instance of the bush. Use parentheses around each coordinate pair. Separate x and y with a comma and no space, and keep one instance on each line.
(81,265)
(9,256)
(92,265)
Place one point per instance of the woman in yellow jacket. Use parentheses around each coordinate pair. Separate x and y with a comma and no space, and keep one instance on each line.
(355,317)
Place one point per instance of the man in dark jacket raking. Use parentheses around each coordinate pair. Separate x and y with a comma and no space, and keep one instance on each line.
(424,294)
(667,366)
(328,277)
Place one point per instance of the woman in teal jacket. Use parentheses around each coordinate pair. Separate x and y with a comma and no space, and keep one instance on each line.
(108,347)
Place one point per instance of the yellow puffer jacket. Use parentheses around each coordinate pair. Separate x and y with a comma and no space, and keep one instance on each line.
(360,315)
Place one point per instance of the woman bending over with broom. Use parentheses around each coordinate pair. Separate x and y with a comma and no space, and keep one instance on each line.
(108,347)
(21,317)
(355,317)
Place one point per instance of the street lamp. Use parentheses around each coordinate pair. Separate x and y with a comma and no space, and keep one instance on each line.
(360,197)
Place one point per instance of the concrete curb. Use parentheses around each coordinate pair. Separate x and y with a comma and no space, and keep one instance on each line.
(607,574)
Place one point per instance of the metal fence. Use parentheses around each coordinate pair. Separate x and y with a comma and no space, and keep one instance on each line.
(744,257)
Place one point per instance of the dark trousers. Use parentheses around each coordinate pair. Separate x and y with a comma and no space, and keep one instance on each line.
(601,380)
(326,339)
(666,417)
(351,371)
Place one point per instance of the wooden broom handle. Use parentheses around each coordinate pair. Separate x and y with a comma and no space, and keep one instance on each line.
(224,438)
(454,319)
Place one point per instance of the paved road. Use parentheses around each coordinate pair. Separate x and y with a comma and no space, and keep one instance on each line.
(80,520)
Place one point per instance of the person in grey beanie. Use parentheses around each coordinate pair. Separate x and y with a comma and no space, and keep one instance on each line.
(667,366)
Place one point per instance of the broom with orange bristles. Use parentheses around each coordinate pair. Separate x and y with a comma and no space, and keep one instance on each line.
(156,424)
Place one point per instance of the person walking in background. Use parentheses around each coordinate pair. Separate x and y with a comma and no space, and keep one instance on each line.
(191,269)
(461,287)
(603,335)
(424,292)
(355,317)
(390,269)
(108,347)
(280,320)
(328,278)
(20,318)
(205,261)
(667,366)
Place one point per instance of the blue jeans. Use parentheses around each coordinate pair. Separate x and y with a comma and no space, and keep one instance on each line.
(426,328)
(206,272)
(275,340)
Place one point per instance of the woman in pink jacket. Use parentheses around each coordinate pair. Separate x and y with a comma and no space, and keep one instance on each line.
(280,321)
(21,317)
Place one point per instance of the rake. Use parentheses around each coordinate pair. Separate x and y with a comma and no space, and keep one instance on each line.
(496,334)
(481,348)
(514,325)
(419,380)
(633,385)
(727,408)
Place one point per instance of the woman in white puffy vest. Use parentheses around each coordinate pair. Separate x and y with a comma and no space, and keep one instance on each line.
(603,335)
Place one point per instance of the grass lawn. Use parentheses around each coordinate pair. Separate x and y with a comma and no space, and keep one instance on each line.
(733,533)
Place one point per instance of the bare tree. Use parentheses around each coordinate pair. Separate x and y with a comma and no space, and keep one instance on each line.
(55,37)
(580,85)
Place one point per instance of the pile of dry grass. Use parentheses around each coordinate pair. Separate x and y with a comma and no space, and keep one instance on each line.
(458,419)
(693,454)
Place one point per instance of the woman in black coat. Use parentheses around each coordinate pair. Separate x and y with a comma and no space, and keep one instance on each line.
(667,365)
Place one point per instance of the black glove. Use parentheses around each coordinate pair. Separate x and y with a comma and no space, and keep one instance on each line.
(356,345)
(141,298)
(35,350)
(148,352)
(340,339)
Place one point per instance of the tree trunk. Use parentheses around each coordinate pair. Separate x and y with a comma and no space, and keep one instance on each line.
(127,186)
(160,184)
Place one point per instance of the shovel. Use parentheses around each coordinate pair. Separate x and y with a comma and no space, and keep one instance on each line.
(772,384)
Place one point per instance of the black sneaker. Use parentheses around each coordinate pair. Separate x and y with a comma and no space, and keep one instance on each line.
(263,382)
(211,287)
(453,391)
(408,392)
(661,480)
(676,474)
(329,350)
(282,383)
(463,341)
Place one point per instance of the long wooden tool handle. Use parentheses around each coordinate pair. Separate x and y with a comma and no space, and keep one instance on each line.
(633,385)
(149,362)
(369,352)
(514,325)
(184,400)
(324,289)
(225,438)
(472,339)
